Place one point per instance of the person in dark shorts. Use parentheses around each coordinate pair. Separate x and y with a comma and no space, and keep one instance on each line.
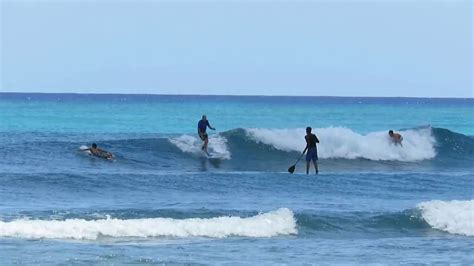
(203,124)
(312,154)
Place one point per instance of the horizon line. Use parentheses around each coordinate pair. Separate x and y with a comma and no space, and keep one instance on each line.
(234,95)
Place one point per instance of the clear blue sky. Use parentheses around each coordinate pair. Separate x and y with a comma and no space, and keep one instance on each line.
(341,48)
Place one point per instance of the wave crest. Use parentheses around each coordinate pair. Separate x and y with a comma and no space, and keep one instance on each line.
(455,217)
(279,222)
(339,142)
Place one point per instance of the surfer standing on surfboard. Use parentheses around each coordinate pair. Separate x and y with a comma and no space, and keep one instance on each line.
(202,126)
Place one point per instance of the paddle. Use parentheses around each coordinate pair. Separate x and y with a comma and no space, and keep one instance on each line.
(292,168)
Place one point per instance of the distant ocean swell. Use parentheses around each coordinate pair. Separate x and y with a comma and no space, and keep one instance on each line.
(453,217)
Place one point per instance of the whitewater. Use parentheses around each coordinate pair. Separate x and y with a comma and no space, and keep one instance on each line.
(263,225)
(163,201)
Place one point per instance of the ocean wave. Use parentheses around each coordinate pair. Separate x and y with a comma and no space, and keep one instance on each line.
(455,217)
(268,149)
(279,222)
(338,142)
(189,144)
(444,217)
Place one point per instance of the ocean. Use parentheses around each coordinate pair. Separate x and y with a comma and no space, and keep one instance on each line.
(162,201)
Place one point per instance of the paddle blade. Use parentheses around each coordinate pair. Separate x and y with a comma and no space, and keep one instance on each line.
(291,169)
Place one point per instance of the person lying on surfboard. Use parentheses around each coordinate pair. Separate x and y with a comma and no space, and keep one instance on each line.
(203,124)
(312,154)
(94,150)
(395,137)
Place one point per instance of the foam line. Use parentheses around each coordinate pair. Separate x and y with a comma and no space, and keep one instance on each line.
(279,222)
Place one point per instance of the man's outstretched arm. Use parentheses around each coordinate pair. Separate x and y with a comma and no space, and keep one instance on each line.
(209,125)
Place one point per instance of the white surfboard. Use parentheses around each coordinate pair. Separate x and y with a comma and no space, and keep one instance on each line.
(85,149)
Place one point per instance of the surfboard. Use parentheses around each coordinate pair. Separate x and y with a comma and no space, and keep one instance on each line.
(85,150)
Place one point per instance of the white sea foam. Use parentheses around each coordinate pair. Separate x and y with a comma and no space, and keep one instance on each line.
(455,217)
(189,144)
(338,142)
(279,222)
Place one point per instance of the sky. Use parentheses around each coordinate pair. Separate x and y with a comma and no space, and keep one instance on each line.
(318,48)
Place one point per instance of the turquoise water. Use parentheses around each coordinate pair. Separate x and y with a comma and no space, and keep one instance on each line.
(172,115)
(162,201)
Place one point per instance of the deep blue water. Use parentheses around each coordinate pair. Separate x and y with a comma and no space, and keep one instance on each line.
(161,200)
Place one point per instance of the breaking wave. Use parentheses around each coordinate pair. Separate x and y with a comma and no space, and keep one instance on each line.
(455,217)
(337,142)
(279,222)
(259,149)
